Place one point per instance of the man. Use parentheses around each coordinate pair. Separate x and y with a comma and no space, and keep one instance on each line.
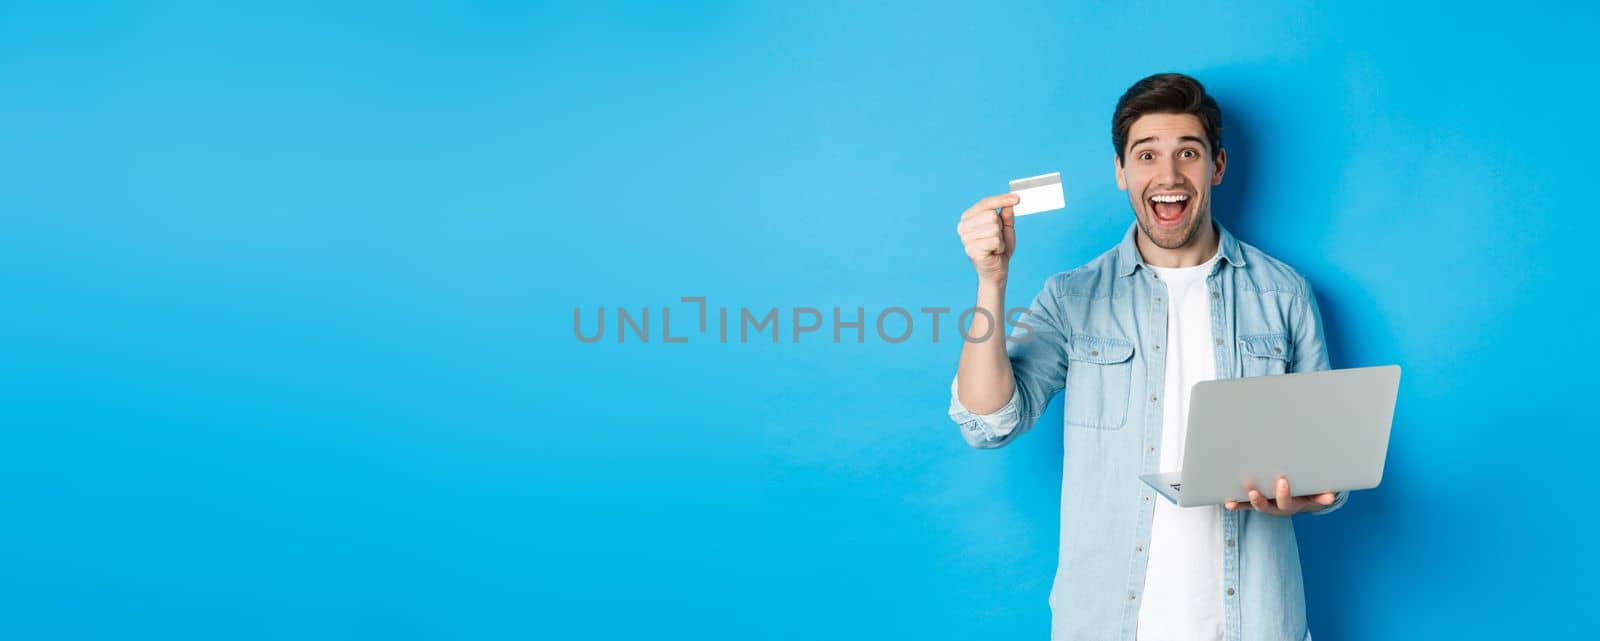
(1179,300)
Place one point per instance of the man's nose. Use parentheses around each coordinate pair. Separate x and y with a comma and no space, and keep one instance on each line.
(1169,174)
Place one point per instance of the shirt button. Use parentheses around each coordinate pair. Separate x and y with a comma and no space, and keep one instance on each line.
(1132,596)
(1146,498)
(1230,591)
(1094,353)
(1158,348)
(1152,449)
(1152,398)
(1158,299)
(1216,295)
(1230,543)
(1139,548)
(1219,341)
(1277,350)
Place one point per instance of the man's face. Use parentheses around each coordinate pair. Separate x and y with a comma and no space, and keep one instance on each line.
(1168,174)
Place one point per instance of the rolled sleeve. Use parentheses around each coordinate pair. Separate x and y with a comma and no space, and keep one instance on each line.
(1037,353)
(990,430)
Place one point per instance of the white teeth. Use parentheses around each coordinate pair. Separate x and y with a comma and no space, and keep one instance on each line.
(1169,198)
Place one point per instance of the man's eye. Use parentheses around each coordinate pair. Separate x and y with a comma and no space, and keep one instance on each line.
(1189,153)
(1146,156)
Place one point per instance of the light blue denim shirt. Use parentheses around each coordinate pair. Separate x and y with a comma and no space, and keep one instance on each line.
(1095,335)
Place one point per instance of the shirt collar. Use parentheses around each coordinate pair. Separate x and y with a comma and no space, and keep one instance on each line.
(1129,260)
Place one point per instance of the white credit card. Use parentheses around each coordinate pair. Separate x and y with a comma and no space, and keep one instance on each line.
(1038,193)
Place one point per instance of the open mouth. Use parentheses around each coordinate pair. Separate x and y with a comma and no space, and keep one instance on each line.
(1169,209)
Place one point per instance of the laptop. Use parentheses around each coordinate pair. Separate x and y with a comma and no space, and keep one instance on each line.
(1325,431)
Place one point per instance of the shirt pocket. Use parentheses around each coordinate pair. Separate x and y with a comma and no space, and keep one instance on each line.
(1099,372)
(1264,354)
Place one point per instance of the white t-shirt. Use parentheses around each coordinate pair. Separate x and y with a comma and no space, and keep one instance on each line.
(1183,582)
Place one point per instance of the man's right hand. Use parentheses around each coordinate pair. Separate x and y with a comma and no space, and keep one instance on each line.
(989,237)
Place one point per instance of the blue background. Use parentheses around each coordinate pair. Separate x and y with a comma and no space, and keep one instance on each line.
(288,290)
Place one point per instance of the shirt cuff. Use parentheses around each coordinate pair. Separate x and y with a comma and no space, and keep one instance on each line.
(981,429)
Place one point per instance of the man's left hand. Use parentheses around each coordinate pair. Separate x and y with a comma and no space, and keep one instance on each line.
(1285,504)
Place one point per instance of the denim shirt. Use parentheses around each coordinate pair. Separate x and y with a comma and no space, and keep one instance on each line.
(1096,333)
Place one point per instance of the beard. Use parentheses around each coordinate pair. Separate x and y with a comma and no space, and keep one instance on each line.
(1172,238)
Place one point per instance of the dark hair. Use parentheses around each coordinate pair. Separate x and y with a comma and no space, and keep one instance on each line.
(1166,93)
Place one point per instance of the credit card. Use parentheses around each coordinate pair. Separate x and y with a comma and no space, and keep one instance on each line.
(1038,194)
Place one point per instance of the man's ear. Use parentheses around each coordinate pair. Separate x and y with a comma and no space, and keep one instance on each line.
(1222,165)
(1122,181)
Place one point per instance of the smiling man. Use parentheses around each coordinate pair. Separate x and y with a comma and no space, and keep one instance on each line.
(1179,300)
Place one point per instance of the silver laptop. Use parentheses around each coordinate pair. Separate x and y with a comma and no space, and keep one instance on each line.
(1326,431)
